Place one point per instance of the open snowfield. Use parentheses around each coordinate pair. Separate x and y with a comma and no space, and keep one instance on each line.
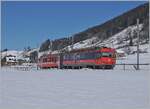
(74,89)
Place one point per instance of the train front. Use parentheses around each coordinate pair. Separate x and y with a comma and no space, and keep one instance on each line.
(107,58)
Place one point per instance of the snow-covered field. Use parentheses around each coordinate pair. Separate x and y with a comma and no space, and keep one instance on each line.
(74,89)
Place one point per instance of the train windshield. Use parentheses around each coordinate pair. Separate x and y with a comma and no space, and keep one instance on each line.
(106,54)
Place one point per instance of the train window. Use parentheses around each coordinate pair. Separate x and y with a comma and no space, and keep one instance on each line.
(97,55)
(106,54)
(64,57)
(48,60)
(68,57)
(55,59)
(45,60)
(78,56)
(87,55)
(52,59)
(91,55)
(72,56)
(82,55)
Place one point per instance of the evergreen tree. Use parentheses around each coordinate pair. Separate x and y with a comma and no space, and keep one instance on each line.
(45,45)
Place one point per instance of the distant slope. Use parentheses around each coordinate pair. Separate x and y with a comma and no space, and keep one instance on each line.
(106,30)
(125,40)
(11,52)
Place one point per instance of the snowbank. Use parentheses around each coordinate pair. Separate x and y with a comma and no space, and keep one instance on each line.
(74,89)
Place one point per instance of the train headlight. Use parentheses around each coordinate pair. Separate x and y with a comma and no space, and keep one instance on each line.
(109,60)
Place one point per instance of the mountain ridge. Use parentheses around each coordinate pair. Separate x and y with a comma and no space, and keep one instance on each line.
(105,30)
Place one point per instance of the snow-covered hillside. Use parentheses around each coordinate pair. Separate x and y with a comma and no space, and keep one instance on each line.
(12,52)
(27,53)
(120,41)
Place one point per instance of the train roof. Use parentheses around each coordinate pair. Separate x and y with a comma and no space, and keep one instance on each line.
(91,49)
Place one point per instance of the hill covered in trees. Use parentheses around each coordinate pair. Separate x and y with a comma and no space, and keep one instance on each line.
(105,30)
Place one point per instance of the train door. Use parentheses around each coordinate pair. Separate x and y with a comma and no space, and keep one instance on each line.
(77,59)
(98,57)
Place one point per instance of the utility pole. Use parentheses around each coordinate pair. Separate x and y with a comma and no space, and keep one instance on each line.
(138,42)
(72,42)
(51,44)
(1,60)
(112,44)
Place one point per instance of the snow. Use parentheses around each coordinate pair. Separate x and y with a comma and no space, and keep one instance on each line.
(131,59)
(118,40)
(32,50)
(11,52)
(83,44)
(79,89)
(120,51)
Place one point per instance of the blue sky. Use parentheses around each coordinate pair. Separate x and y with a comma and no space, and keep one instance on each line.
(30,23)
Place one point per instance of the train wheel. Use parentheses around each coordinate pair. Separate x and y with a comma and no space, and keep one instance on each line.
(97,67)
(108,67)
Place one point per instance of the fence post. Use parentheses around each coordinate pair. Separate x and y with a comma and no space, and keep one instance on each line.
(124,66)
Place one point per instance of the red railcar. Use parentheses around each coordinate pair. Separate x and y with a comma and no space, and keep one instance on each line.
(93,58)
(48,61)
(89,57)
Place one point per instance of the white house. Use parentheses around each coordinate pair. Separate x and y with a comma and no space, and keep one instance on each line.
(11,60)
(120,54)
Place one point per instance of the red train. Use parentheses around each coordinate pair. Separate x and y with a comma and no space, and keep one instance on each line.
(49,61)
(89,58)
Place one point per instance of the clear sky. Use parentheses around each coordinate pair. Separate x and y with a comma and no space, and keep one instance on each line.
(30,23)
